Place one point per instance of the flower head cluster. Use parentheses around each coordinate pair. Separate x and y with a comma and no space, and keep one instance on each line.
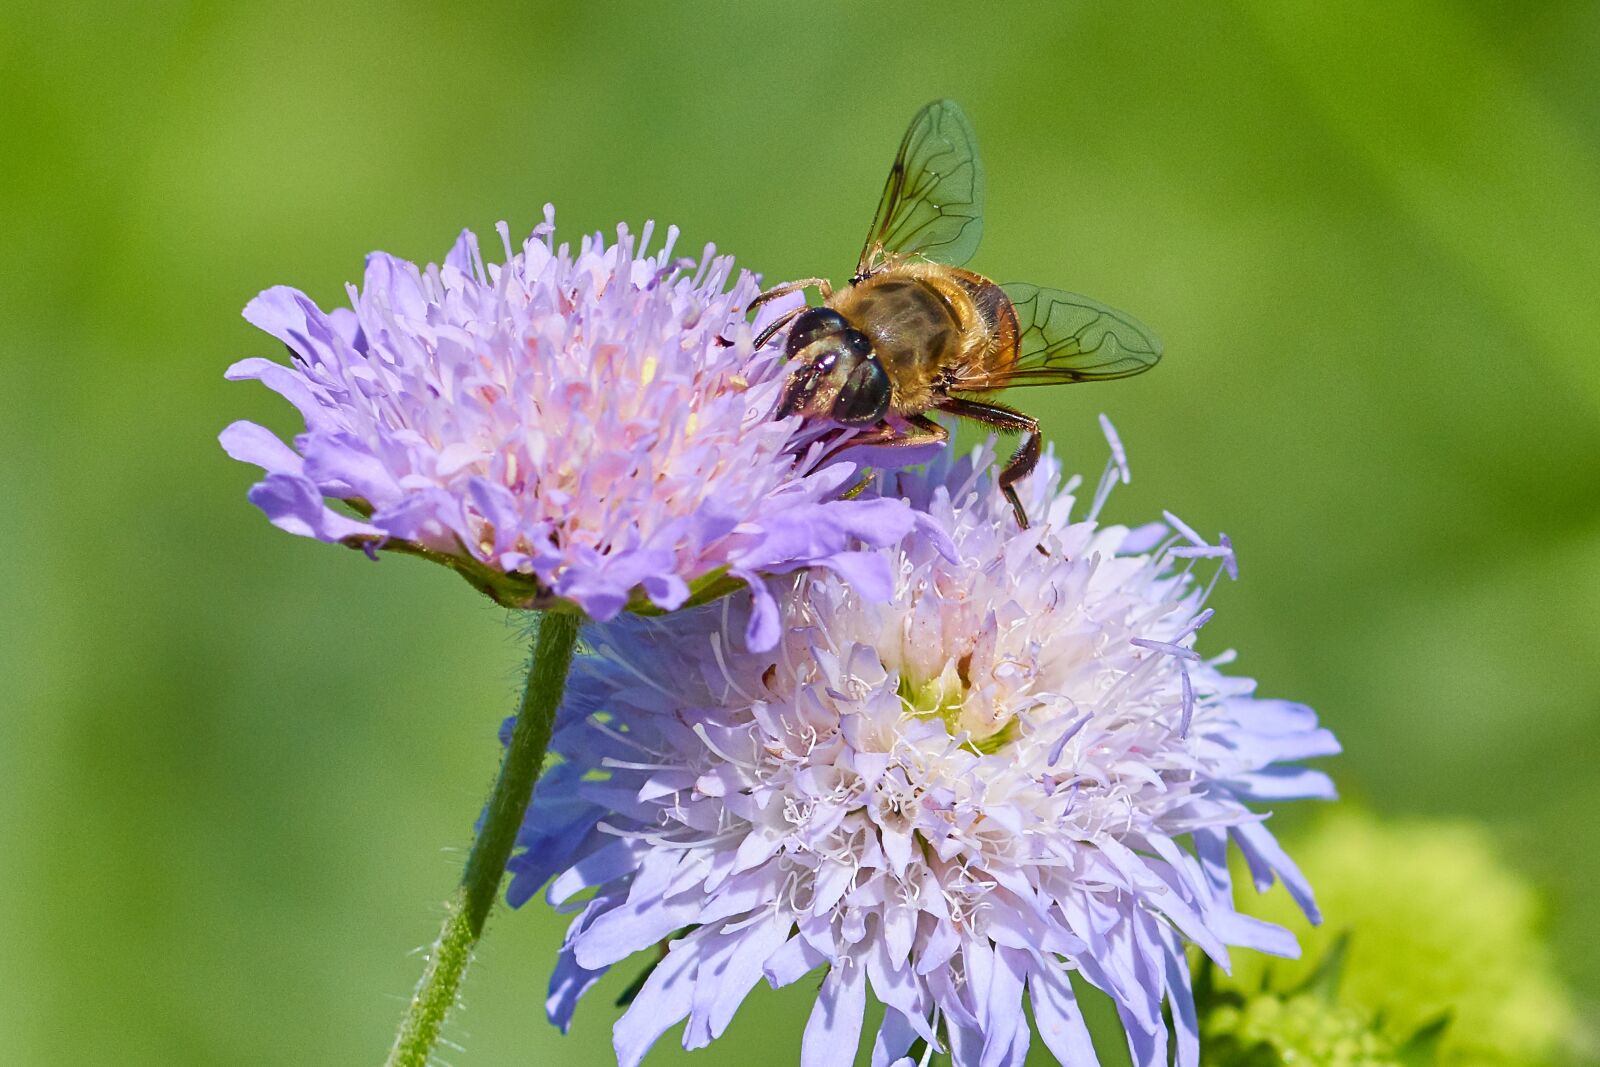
(590,426)
(1406,893)
(1015,768)
(1299,1029)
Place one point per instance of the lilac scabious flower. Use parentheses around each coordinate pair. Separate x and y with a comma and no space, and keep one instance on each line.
(591,427)
(1015,768)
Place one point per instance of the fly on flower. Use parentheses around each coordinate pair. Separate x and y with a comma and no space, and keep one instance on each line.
(568,429)
(914,333)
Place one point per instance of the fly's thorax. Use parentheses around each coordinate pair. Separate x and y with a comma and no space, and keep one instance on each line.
(918,322)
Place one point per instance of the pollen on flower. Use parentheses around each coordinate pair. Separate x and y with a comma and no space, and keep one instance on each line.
(948,698)
(1011,768)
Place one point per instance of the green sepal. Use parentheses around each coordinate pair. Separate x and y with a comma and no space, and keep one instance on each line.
(713,585)
(523,592)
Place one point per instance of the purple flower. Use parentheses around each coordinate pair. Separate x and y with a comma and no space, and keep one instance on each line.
(1016,768)
(594,428)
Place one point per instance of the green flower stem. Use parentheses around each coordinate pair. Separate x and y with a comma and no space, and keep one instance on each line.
(553,646)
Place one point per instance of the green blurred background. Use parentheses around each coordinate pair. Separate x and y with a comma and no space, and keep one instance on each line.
(239,767)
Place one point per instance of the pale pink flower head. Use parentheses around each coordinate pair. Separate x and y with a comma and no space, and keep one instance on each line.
(589,427)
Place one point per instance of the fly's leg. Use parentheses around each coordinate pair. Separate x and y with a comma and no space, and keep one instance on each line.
(1006,421)
(921,431)
(777,324)
(824,286)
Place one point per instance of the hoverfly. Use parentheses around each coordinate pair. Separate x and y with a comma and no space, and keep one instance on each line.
(913,332)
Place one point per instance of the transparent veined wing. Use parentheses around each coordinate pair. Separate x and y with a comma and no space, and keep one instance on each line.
(1064,337)
(932,204)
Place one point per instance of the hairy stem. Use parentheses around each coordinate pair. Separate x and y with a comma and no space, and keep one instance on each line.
(553,646)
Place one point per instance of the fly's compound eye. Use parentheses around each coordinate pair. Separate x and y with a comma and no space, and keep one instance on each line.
(811,325)
(864,399)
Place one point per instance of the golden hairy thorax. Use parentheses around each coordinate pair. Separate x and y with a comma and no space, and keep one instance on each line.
(931,326)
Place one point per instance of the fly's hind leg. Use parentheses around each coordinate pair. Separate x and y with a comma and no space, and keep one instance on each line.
(1005,420)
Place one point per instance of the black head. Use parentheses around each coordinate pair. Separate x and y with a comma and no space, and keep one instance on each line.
(835,373)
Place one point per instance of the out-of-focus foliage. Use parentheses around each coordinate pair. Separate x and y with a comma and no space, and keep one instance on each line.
(1268,1031)
(1437,926)
(239,767)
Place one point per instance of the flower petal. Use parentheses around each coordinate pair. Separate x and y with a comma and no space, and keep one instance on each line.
(833,1033)
(294,504)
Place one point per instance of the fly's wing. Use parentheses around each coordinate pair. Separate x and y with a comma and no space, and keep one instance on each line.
(1064,337)
(932,205)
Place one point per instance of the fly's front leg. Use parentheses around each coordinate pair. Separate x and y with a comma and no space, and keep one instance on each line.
(824,286)
(1007,421)
(775,325)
